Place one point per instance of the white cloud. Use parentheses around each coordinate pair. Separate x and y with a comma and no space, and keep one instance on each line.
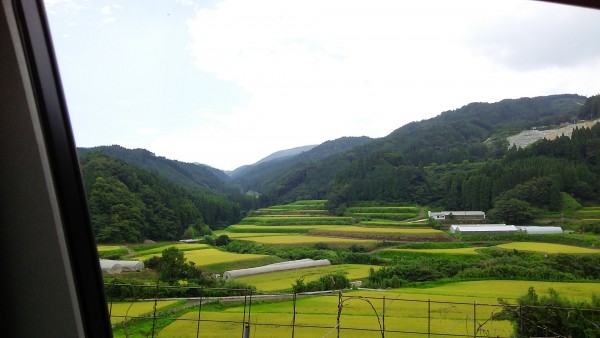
(106,10)
(345,68)
(313,70)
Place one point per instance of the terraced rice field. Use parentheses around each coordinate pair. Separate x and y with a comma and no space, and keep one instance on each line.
(548,248)
(297,240)
(179,246)
(206,257)
(454,251)
(283,280)
(106,248)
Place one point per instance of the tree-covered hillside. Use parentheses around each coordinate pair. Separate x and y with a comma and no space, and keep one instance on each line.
(392,168)
(128,204)
(188,175)
(265,176)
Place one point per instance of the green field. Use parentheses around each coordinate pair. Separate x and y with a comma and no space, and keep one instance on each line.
(406,310)
(548,248)
(283,280)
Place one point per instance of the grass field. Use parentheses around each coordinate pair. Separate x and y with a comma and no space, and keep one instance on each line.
(548,248)
(406,310)
(283,280)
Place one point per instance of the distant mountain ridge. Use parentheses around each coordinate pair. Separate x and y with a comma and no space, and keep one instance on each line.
(286,153)
(413,164)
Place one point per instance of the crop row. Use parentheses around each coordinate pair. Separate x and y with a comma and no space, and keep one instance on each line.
(382,209)
(274,221)
(396,216)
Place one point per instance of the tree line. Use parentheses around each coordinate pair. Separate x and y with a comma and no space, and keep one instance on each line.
(127,204)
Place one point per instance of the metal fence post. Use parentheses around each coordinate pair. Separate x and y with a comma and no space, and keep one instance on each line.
(339,313)
(383,319)
(249,312)
(199,313)
(294,316)
(154,314)
(429,318)
(244,319)
(475,319)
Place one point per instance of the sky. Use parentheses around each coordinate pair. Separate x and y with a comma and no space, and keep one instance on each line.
(228,82)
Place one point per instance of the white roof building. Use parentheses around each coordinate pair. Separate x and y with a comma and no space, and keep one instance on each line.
(456,214)
(282,266)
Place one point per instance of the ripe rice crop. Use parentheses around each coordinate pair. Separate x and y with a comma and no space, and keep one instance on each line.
(357,229)
(395,216)
(382,209)
(103,248)
(214,256)
(391,234)
(297,220)
(273,229)
(207,257)
(549,248)
(180,246)
(392,223)
(304,240)
(119,311)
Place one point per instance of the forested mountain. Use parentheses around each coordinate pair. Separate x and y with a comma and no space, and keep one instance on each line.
(188,175)
(128,204)
(457,160)
(392,168)
(264,176)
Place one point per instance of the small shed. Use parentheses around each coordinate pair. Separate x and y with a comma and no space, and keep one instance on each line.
(282,266)
(458,215)
(115,267)
(540,230)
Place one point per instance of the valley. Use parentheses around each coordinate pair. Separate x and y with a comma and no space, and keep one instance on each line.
(360,205)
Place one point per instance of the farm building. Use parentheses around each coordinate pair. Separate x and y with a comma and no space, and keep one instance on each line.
(289,265)
(483,229)
(115,267)
(540,230)
(457,215)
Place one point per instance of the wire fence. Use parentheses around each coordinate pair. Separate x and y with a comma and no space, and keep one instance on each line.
(216,312)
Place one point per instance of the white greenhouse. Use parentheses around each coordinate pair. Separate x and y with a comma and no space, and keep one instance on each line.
(282,266)
(115,267)
(540,230)
(453,227)
(487,229)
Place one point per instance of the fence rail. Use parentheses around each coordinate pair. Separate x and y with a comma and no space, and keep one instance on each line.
(336,314)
